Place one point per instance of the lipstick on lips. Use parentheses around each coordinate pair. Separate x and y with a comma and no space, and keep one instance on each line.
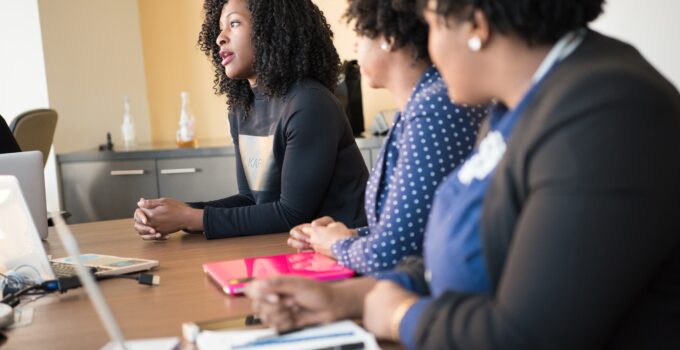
(227,57)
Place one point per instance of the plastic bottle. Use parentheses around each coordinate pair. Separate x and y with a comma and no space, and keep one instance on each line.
(128,127)
(186,136)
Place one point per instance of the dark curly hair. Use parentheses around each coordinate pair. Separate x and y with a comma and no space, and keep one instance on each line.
(291,41)
(537,22)
(394,19)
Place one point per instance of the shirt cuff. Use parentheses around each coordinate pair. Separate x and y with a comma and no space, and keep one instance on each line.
(401,278)
(409,323)
(363,231)
(207,230)
(339,249)
(196,205)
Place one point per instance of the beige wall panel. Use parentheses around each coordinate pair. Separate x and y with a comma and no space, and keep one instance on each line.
(93,57)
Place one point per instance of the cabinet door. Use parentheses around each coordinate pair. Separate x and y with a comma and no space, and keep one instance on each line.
(93,191)
(197,179)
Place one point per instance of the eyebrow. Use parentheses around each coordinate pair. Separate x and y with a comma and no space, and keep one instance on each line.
(227,16)
(231,13)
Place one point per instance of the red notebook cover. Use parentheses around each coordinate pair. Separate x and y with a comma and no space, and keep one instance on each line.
(233,275)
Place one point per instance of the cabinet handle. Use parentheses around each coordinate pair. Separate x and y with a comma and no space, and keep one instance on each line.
(126,172)
(178,171)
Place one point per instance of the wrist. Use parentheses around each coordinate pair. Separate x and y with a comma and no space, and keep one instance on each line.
(398,315)
(348,297)
(194,220)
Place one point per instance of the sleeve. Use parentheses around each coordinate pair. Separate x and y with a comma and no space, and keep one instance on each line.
(363,231)
(595,229)
(312,133)
(409,273)
(237,200)
(425,157)
(244,197)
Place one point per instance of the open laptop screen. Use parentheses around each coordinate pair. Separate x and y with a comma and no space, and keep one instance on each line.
(20,246)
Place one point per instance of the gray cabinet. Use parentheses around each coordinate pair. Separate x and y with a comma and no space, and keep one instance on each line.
(197,179)
(107,190)
(107,185)
(93,191)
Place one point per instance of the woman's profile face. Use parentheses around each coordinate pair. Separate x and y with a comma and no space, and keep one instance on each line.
(447,45)
(234,40)
(372,60)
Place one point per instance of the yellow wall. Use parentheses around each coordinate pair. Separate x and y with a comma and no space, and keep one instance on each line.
(174,63)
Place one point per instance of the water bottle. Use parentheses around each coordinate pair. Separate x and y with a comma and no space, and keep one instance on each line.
(186,136)
(128,127)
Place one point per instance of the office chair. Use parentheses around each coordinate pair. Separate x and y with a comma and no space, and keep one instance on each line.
(34,130)
(348,92)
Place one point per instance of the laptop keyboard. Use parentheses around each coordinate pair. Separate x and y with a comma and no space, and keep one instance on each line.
(67,270)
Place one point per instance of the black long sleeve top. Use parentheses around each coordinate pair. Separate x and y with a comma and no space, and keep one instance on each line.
(296,160)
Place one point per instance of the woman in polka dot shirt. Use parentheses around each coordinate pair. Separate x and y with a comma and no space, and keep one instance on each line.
(429,138)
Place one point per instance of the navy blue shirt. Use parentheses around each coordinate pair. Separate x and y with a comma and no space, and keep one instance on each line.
(427,141)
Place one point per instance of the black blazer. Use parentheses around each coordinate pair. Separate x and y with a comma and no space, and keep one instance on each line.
(7,142)
(580,225)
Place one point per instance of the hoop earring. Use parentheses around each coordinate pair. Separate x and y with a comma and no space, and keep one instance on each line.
(475,44)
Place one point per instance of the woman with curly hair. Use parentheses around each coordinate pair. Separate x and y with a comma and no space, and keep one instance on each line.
(295,154)
(429,138)
(579,178)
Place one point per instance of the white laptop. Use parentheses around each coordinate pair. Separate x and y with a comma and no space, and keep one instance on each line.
(22,251)
(28,168)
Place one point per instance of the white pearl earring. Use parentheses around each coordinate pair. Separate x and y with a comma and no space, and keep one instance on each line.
(385,47)
(475,44)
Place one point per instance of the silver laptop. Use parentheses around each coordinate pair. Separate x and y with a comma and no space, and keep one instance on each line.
(28,168)
(22,251)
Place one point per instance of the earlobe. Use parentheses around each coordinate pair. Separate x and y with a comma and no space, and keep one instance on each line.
(480,31)
(387,45)
(475,44)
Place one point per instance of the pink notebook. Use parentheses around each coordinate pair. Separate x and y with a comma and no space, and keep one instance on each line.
(233,275)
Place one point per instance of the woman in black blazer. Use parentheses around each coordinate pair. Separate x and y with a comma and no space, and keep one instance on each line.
(579,228)
(7,142)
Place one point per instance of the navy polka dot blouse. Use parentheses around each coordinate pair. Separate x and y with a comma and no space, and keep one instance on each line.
(426,142)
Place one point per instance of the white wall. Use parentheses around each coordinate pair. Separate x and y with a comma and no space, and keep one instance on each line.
(652,26)
(23,84)
(93,57)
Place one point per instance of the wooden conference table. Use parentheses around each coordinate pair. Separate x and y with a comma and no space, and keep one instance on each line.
(68,321)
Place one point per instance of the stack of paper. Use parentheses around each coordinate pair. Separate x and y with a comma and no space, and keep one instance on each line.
(339,335)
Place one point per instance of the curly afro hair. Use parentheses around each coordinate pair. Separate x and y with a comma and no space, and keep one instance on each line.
(393,19)
(537,22)
(291,41)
